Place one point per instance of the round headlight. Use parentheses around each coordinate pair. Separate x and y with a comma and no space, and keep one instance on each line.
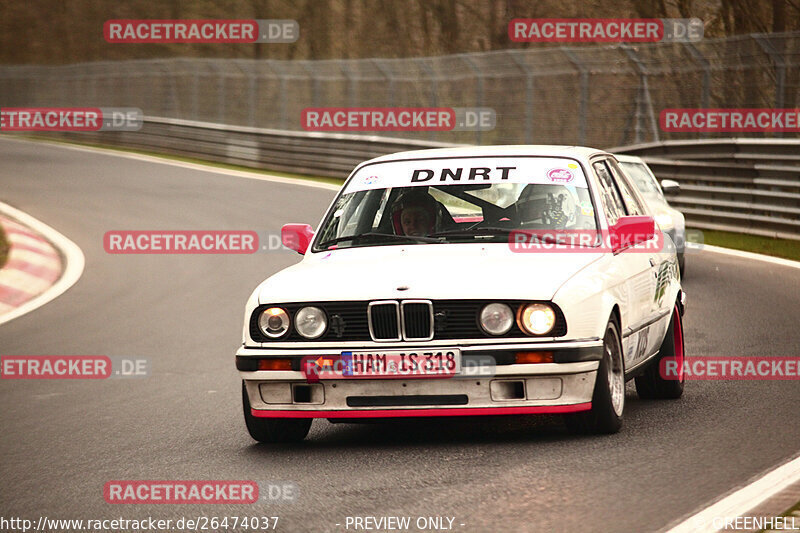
(310,322)
(274,322)
(496,319)
(536,319)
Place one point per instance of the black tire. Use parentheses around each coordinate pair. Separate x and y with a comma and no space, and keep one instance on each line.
(651,385)
(604,418)
(273,430)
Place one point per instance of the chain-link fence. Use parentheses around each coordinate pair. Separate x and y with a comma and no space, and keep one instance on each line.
(594,95)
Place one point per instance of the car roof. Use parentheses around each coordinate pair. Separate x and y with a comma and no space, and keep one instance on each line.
(622,158)
(511,150)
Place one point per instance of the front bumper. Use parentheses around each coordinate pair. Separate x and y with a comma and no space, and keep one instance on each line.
(543,388)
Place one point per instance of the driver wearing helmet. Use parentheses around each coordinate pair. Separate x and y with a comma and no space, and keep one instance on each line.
(415,214)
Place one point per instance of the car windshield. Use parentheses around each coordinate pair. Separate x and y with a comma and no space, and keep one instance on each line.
(645,181)
(457,200)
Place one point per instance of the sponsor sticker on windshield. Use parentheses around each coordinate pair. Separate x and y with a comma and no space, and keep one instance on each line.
(468,171)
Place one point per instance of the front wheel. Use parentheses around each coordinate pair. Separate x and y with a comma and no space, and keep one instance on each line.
(273,430)
(608,399)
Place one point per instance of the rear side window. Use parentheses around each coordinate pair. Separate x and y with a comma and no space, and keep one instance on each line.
(612,200)
(632,203)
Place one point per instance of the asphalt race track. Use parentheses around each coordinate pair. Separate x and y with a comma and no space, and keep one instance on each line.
(61,440)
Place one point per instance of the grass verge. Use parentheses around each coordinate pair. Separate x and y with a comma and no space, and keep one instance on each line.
(786,248)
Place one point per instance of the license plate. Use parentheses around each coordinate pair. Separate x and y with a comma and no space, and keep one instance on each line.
(427,363)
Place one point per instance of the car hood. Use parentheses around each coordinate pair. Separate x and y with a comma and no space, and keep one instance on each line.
(439,271)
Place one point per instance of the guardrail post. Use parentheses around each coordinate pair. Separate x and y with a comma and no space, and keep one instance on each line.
(528,94)
(584,101)
(478,90)
(644,92)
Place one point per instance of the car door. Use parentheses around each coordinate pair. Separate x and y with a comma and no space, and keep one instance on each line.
(636,269)
(660,265)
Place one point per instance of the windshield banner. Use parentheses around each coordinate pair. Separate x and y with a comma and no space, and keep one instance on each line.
(468,171)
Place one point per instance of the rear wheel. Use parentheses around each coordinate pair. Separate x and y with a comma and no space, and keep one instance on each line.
(658,383)
(608,399)
(270,430)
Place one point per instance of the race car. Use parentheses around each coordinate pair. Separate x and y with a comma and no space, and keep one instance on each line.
(670,220)
(503,280)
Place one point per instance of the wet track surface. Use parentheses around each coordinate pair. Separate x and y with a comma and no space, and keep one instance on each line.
(61,441)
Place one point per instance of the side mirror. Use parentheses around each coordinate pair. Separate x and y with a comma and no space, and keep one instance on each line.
(297,237)
(670,187)
(630,231)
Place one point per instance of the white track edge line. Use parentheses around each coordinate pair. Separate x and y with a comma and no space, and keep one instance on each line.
(743,500)
(71,255)
(183,164)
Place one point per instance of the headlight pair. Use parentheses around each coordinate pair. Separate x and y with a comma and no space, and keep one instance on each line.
(309,322)
(533,318)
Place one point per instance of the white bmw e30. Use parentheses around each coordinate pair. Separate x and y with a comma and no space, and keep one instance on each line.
(502,280)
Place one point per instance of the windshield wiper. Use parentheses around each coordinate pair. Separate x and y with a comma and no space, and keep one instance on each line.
(491,230)
(337,240)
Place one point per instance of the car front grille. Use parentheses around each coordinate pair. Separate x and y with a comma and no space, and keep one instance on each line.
(401,320)
(384,321)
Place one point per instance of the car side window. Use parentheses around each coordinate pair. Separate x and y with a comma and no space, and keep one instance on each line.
(612,200)
(632,203)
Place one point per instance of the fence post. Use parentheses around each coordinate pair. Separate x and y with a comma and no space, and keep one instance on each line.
(780,70)
(705,98)
(528,94)
(644,90)
(314,84)
(277,67)
(388,75)
(478,90)
(351,85)
(584,101)
(432,76)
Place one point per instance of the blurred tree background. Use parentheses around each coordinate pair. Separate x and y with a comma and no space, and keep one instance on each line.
(71,31)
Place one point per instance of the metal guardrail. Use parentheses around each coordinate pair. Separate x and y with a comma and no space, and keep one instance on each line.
(318,154)
(741,185)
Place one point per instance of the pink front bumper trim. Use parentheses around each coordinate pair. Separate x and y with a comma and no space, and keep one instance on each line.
(397,413)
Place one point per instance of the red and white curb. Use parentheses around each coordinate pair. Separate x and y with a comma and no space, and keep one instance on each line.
(41,265)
